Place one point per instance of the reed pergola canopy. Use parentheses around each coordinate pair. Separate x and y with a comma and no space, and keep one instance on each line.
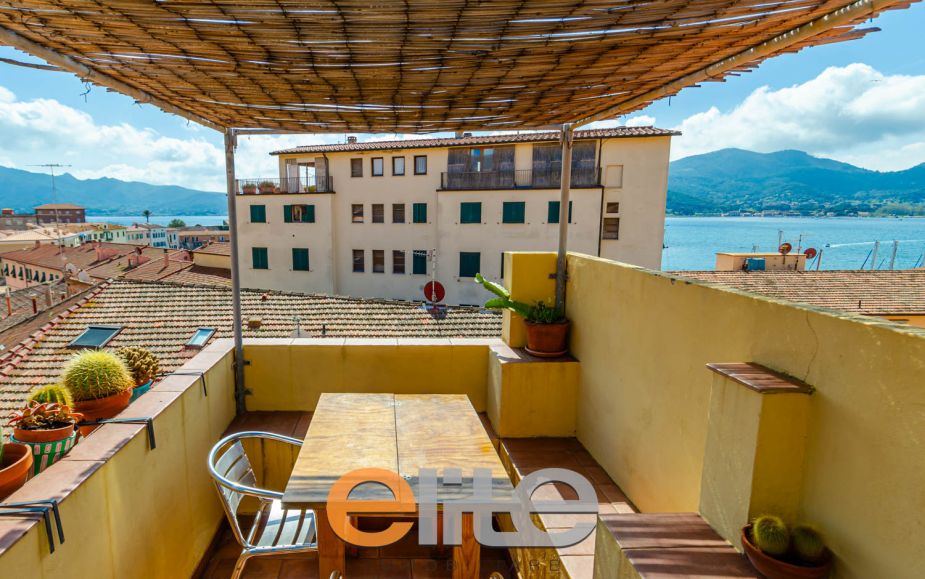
(416,65)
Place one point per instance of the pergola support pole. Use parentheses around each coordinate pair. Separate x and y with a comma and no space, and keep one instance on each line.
(239,389)
(565,184)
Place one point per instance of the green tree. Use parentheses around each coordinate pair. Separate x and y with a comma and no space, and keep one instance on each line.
(147,214)
(176,223)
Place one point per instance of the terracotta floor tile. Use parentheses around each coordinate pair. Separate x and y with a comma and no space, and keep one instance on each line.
(303,568)
(431,568)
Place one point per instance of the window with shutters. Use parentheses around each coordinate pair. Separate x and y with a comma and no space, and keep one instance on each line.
(259,258)
(419,262)
(513,212)
(611,228)
(553,216)
(378,261)
(419,212)
(356,212)
(470,212)
(258,213)
(359,264)
(547,164)
(398,213)
(299,213)
(469,263)
(398,261)
(378,167)
(356,167)
(299,259)
(613,208)
(420,164)
(398,166)
(378,213)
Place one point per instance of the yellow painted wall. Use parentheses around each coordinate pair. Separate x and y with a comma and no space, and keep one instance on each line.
(528,281)
(212,260)
(643,338)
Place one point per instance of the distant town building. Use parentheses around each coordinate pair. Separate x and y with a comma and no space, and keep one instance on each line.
(16,221)
(60,213)
(765,261)
(404,208)
(195,238)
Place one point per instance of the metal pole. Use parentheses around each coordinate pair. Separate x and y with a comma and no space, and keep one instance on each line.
(873,261)
(893,255)
(564,184)
(239,391)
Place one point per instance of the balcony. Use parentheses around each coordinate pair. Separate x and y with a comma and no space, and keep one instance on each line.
(287,186)
(636,410)
(520,179)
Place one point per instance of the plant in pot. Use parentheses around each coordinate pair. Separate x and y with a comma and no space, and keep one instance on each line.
(144,367)
(249,189)
(47,428)
(15,466)
(547,327)
(779,552)
(100,384)
(266,187)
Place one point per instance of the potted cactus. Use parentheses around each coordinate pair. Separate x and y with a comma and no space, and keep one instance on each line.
(15,466)
(249,189)
(547,327)
(779,552)
(48,428)
(100,384)
(266,187)
(144,367)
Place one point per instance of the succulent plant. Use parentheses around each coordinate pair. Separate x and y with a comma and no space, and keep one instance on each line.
(95,374)
(808,543)
(44,415)
(770,534)
(52,393)
(143,365)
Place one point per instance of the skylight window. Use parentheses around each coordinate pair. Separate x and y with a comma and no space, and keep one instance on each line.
(95,337)
(200,337)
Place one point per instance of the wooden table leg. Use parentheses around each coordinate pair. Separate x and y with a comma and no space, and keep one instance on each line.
(466,556)
(331,548)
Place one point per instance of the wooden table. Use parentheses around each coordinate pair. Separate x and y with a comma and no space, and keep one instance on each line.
(400,433)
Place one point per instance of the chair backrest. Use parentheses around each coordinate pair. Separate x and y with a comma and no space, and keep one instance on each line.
(231,469)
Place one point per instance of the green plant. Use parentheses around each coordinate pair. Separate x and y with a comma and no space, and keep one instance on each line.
(52,393)
(143,365)
(539,313)
(266,185)
(770,534)
(44,416)
(95,374)
(808,543)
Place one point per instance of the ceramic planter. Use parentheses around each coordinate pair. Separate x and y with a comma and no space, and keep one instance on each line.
(547,340)
(48,446)
(15,469)
(102,408)
(139,390)
(775,568)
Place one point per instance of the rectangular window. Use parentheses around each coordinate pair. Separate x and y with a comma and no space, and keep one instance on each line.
(469,263)
(378,213)
(513,212)
(299,213)
(470,212)
(398,213)
(377,167)
(259,257)
(95,337)
(200,337)
(356,212)
(398,166)
(258,213)
(359,265)
(419,262)
(613,208)
(299,259)
(356,167)
(378,261)
(420,164)
(611,228)
(419,212)
(398,261)
(554,212)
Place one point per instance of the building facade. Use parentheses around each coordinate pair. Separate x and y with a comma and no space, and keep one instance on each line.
(60,213)
(383,219)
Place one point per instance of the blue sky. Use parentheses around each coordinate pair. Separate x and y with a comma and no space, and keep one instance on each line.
(861,102)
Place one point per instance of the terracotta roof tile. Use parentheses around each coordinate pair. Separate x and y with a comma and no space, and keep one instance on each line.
(216,248)
(199,275)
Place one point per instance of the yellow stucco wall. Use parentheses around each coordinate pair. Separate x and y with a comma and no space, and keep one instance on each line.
(529,282)
(643,338)
(212,260)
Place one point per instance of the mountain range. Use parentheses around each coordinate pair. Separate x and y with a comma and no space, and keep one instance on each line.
(728,181)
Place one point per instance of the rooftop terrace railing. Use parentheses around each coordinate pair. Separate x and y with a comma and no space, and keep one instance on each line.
(519,179)
(289,185)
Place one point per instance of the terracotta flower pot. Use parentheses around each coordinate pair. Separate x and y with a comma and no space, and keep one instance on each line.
(15,468)
(45,435)
(775,568)
(547,340)
(47,446)
(102,408)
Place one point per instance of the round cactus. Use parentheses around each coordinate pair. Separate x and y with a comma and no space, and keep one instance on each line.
(143,364)
(95,374)
(770,534)
(52,393)
(808,543)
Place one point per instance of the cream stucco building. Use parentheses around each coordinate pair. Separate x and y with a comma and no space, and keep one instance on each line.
(381,219)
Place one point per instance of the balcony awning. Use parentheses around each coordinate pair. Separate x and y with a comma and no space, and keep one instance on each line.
(416,65)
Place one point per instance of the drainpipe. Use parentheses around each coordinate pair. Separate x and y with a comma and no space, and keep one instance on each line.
(565,183)
(239,391)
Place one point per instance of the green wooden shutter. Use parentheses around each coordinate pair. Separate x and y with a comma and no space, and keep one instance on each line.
(469,263)
(419,262)
(287,213)
(420,212)
(513,212)
(554,212)
(299,259)
(309,215)
(259,257)
(258,213)
(470,212)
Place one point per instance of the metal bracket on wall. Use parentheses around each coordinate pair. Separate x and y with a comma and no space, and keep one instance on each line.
(47,508)
(200,373)
(148,422)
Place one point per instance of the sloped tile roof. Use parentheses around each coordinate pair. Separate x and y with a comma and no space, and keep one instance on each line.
(529,137)
(163,316)
(199,275)
(84,256)
(868,292)
(215,248)
(119,266)
(21,303)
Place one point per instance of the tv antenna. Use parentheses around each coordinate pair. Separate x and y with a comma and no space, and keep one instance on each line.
(54,196)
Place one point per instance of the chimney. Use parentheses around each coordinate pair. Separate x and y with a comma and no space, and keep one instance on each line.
(35,305)
(166,259)
(99,250)
(459,134)
(351,140)
(48,295)
(37,244)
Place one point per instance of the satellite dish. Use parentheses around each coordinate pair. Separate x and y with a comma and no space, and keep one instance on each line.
(810,252)
(84,277)
(70,268)
(785,248)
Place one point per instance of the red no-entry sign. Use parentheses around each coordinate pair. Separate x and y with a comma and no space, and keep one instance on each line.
(434,291)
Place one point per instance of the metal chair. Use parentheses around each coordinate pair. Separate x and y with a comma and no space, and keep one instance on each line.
(276,531)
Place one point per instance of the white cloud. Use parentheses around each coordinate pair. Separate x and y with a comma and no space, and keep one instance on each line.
(853,113)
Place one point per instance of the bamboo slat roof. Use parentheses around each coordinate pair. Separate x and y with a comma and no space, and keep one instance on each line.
(419,65)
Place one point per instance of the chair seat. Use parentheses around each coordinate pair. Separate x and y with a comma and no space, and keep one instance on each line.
(276,527)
